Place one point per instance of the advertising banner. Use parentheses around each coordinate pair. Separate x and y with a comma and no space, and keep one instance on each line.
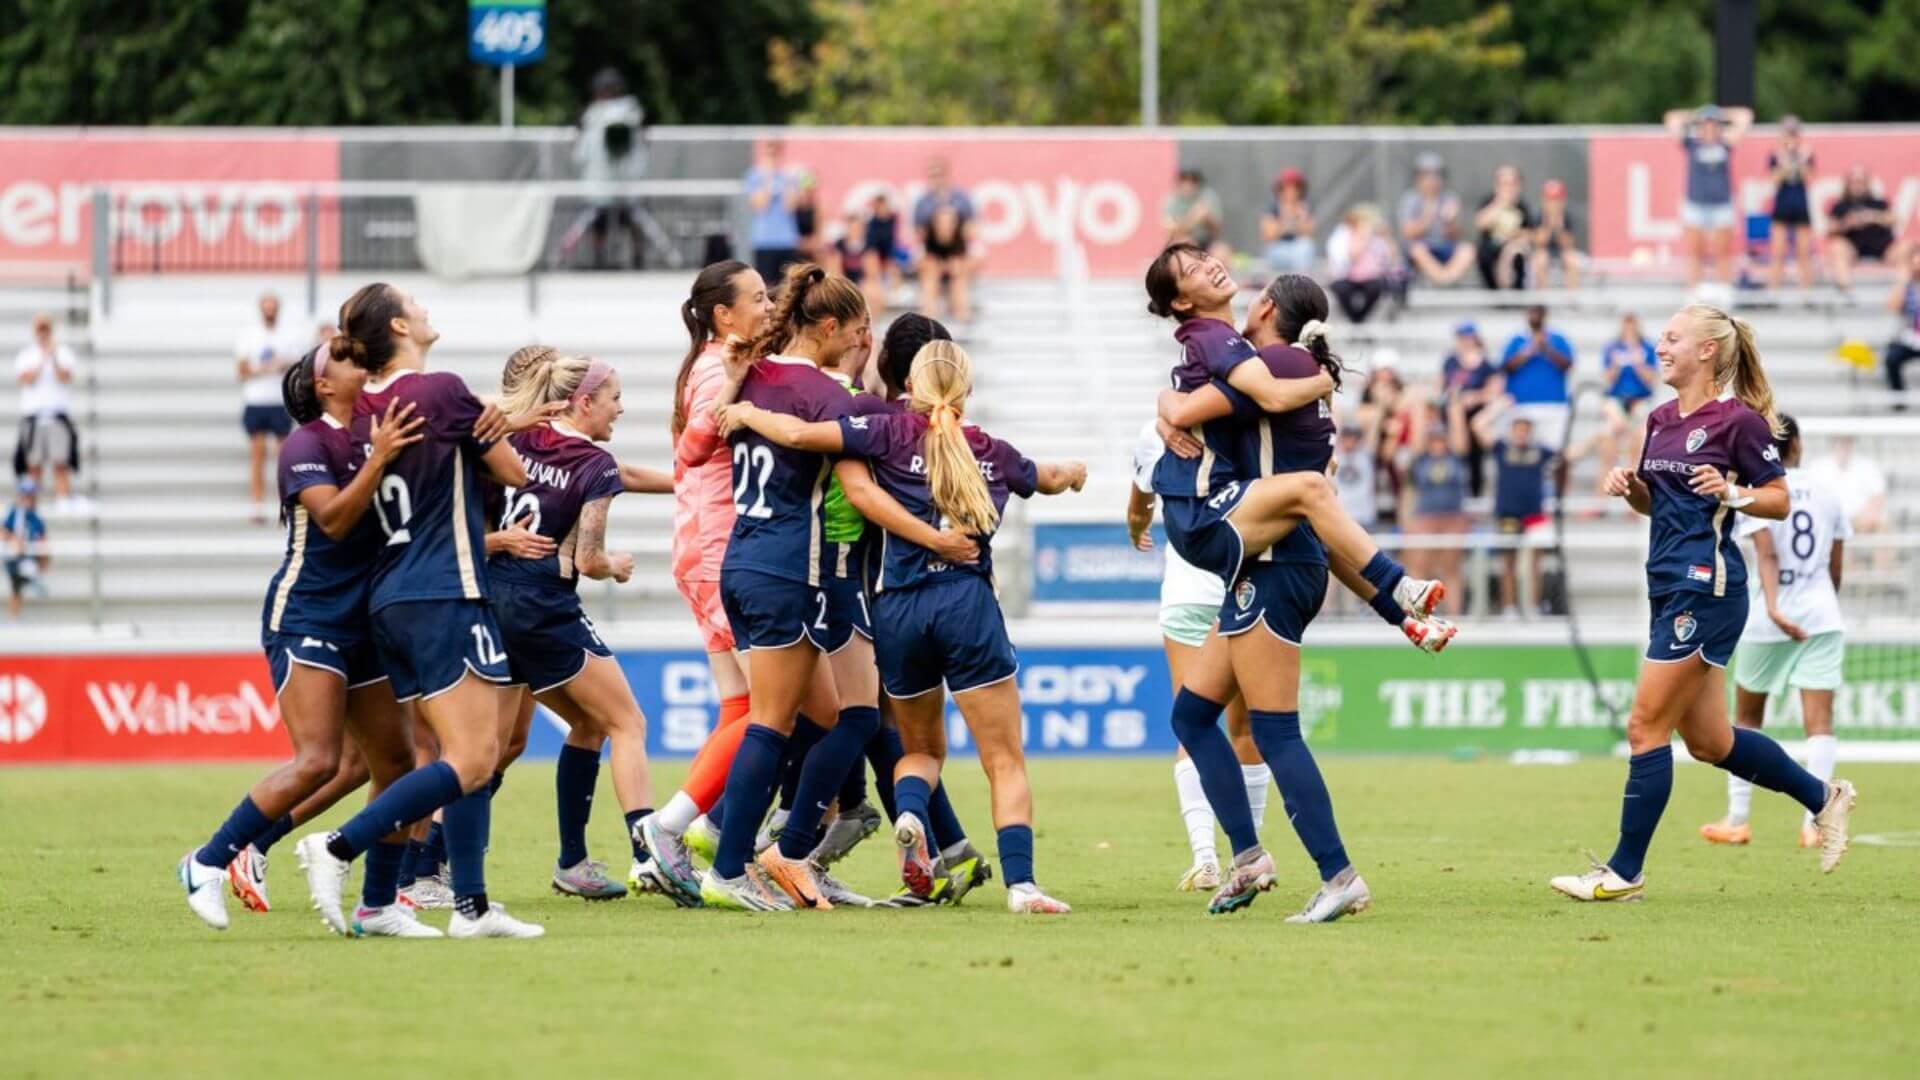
(146,707)
(1078,563)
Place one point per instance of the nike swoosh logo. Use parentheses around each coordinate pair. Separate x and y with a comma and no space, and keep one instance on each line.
(1671,648)
(1600,892)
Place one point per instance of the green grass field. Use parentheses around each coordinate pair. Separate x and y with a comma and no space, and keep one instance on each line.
(1741,962)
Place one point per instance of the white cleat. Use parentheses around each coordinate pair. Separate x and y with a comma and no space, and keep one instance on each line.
(836,891)
(1833,821)
(769,833)
(326,877)
(247,877)
(1027,899)
(394,920)
(1429,635)
(1419,597)
(1600,885)
(206,891)
(1200,877)
(495,923)
(428,894)
(1335,899)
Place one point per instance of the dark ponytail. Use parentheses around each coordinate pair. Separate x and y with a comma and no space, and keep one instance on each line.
(297,391)
(808,296)
(1163,280)
(1299,303)
(366,327)
(905,337)
(712,287)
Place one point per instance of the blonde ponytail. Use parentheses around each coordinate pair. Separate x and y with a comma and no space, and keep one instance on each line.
(1736,362)
(544,377)
(941,378)
(523,358)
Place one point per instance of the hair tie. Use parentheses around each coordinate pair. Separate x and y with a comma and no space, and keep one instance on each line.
(597,372)
(1313,331)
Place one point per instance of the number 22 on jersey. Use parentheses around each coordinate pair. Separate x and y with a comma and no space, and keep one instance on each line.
(752,469)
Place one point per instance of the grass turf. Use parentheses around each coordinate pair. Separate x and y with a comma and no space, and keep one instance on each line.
(1742,961)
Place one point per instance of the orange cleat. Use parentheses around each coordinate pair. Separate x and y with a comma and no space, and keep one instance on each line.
(795,878)
(1723,832)
(1809,836)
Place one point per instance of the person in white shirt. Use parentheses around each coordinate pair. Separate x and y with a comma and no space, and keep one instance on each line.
(262,354)
(1862,487)
(1190,600)
(1794,638)
(44,372)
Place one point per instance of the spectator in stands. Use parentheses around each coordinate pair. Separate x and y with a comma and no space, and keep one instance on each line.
(1535,363)
(44,371)
(1860,228)
(1364,264)
(1521,468)
(1904,301)
(1790,166)
(1193,214)
(1505,222)
(1708,135)
(806,214)
(263,351)
(1287,227)
(1468,375)
(772,192)
(1437,481)
(842,256)
(1630,372)
(1354,474)
(24,536)
(610,148)
(879,261)
(1382,402)
(1430,224)
(943,219)
(1553,240)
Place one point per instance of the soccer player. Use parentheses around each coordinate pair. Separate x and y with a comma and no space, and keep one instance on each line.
(435,634)
(1794,637)
(314,632)
(1706,454)
(936,620)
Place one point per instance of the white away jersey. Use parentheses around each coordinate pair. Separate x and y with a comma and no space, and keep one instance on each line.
(1182,582)
(1804,544)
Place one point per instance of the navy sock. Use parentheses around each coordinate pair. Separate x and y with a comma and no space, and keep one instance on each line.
(574,777)
(469,821)
(750,784)
(943,822)
(853,790)
(806,735)
(1649,782)
(825,773)
(639,845)
(233,835)
(274,834)
(414,864)
(1196,723)
(499,780)
(1016,854)
(436,848)
(406,800)
(1760,760)
(884,752)
(1382,572)
(910,795)
(383,874)
(1302,790)
(1388,608)
(717,817)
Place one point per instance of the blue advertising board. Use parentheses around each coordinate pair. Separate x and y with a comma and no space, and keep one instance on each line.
(506,32)
(1094,563)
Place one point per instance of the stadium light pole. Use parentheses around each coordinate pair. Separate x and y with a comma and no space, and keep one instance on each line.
(1149,63)
(1733,52)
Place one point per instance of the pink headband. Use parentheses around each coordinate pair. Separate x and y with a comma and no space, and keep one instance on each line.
(320,358)
(597,373)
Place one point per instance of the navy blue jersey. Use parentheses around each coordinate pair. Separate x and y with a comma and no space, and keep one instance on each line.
(1520,479)
(1299,440)
(891,442)
(565,472)
(779,495)
(1213,349)
(1691,545)
(321,586)
(429,503)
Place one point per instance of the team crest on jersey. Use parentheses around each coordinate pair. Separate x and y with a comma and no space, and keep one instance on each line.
(1683,627)
(1696,439)
(1243,594)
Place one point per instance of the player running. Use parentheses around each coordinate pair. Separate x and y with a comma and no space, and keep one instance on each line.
(1794,638)
(937,622)
(435,634)
(314,631)
(1706,454)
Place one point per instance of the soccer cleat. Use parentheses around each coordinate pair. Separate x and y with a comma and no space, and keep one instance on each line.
(1428,635)
(643,878)
(326,876)
(734,894)
(1832,822)
(1334,899)
(588,880)
(1600,884)
(794,877)
(837,891)
(495,923)
(1200,877)
(428,894)
(1244,885)
(770,831)
(206,892)
(916,861)
(1809,836)
(247,877)
(672,867)
(846,833)
(394,920)
(701,839)
(1419,597)
(964,870)
(904,898)
(1027,899)
(1726,832)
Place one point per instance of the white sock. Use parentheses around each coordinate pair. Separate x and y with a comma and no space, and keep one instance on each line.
(1821,750)
(1195,811)
(678,814)
(1257,778)
(1739,799)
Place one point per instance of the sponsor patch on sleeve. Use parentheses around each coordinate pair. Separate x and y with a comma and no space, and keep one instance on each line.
(1700,573)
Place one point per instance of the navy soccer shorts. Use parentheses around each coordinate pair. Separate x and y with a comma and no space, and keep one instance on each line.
(1199,532)
(1686,622)
(428,646)
(771,612)
(949,630)
(355,661)
(1285,597)
(547,636)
